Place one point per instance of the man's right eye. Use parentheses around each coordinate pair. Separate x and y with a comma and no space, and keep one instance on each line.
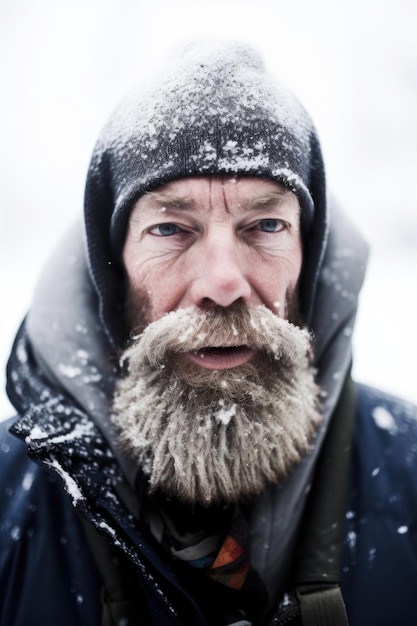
(164,230)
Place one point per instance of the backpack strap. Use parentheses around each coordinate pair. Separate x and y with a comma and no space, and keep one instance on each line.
(317,575)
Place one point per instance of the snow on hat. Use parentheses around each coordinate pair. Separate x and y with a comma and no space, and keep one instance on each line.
(213,110)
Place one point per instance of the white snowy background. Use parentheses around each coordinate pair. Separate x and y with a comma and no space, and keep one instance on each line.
(65,65)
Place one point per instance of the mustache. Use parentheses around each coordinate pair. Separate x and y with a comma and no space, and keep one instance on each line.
(191,329)
(207,435)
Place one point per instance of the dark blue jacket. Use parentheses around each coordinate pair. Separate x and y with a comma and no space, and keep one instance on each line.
(47,574)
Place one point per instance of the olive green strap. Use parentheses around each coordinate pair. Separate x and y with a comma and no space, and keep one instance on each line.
(321,536)
(322,607)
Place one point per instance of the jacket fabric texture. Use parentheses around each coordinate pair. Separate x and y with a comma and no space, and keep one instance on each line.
(64,483)
(47,571)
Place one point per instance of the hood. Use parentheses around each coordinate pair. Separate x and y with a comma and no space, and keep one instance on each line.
(73,353)
(341,277)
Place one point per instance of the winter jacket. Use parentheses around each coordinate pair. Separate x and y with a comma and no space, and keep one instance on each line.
(79,492)
(47,572)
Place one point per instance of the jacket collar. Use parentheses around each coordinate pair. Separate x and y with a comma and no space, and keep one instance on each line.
(75,357)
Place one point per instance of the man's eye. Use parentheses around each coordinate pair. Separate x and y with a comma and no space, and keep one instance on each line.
(270,225)
(165,230)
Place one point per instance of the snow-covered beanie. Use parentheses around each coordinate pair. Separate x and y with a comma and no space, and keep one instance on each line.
(214,109)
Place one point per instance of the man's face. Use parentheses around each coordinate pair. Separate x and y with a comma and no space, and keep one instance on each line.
(215,242)
(219,398)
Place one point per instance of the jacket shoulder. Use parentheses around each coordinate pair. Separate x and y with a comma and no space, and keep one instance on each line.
(46,572)
(385,442)
(370,398)
(379,575)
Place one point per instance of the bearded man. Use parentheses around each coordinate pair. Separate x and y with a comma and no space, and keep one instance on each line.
(183,383)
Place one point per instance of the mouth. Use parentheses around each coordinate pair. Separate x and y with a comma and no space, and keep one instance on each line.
(219,357)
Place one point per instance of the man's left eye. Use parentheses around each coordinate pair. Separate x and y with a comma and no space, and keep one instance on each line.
(164,230)
(270,225)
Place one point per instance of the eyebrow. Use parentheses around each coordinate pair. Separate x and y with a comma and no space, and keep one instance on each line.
(170,201)
(267,200)
(264,201)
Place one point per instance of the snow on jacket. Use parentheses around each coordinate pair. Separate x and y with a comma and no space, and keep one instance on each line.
(47,574)
(61,376)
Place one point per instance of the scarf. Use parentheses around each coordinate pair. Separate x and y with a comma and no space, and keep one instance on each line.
(216,543)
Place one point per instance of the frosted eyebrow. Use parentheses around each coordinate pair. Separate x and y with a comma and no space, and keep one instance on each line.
(266,201)
(170,201)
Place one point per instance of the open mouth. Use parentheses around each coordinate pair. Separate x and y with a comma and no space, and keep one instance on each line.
(219,357)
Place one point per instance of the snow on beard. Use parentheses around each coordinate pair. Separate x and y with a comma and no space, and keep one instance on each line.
(208,436)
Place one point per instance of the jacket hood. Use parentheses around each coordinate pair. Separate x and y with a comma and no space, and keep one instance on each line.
(75,357)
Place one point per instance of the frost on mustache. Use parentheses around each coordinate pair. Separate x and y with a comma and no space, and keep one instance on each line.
(256,328)
(227,432)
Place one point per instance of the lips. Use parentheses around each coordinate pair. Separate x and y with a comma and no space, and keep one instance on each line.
(219,357)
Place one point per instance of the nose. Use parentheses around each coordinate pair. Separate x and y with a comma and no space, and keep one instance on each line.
(220,274)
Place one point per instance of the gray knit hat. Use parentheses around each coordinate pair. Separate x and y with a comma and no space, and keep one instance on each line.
(213,110)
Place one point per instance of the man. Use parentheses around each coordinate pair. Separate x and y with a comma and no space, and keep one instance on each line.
(201,453)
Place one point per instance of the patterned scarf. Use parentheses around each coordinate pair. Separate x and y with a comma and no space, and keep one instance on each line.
(200,541)
(231,564)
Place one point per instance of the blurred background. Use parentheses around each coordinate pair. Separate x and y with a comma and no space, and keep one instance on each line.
(65,65)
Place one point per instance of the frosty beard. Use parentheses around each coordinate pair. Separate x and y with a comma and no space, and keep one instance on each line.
(207,436)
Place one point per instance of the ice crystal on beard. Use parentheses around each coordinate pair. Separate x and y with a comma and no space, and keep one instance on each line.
(224,415)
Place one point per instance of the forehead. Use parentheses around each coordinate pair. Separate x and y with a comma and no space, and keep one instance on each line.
(204,192)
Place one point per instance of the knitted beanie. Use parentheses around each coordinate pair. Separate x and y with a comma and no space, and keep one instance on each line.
(214,109)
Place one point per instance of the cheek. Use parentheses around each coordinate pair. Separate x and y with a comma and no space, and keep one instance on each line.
(276,281)
(164,296)
(162,289)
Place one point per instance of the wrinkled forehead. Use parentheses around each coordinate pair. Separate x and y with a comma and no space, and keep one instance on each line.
(201,194)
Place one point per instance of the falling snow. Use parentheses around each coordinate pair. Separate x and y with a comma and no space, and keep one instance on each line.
(383,419)
(351,539)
